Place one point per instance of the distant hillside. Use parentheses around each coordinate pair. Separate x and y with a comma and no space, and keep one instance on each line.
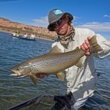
(9,26)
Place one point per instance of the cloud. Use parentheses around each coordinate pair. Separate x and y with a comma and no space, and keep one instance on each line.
(75,18)
(106,15)
(42,22)
(96,26)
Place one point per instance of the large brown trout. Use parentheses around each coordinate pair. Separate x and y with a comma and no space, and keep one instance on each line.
(53,62)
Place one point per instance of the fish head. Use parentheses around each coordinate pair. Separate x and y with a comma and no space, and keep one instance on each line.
(20,71)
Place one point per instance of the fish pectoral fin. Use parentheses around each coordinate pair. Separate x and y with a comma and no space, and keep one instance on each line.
(79,63)
(34,79)
(60,75)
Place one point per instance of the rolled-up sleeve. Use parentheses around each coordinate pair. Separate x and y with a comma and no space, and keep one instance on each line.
(105,44)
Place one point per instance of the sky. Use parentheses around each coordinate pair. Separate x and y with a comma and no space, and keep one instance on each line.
(91,14)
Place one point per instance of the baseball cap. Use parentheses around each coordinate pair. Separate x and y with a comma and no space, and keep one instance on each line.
(55,14)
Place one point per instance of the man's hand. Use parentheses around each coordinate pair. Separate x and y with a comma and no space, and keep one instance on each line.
(41,75)
(85,46)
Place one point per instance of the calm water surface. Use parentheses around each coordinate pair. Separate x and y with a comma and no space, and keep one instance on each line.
(14,90)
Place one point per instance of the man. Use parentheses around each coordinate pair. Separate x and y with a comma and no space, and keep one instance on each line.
(25,35)
(80,81)
(17,33)
(32,36)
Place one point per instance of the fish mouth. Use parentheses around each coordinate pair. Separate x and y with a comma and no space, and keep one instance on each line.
(17,75)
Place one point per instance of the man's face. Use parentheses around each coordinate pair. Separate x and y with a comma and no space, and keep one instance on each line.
(63,28)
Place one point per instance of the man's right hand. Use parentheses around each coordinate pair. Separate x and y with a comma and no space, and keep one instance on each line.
(85,46)
(41,75)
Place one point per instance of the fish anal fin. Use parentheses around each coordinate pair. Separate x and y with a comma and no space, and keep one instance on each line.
(60,75)
(55,49)
(79,63)
(34,79)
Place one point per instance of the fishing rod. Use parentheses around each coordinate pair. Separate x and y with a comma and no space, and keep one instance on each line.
(62,102)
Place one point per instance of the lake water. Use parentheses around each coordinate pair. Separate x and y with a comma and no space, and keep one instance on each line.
(14,91)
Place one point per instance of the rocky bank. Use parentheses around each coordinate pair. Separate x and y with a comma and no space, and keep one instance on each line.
(40,32)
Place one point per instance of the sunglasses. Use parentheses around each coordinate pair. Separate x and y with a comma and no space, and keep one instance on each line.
(57,23)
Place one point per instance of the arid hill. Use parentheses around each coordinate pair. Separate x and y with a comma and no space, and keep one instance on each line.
(40,32)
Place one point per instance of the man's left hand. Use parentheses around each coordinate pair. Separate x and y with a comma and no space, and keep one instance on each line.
(85,46)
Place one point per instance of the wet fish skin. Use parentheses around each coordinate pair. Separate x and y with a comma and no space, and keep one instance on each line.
(49,63)
(52,63)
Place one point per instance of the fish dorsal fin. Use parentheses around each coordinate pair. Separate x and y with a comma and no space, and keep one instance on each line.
(34,79)
(79,63)
(60,75)
(55,49)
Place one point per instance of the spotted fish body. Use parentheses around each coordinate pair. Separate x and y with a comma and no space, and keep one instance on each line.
(53,62)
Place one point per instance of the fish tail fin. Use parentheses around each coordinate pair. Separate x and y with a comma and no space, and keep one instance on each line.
(94,46)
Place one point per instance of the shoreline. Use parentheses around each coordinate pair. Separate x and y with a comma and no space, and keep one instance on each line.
(36,36)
